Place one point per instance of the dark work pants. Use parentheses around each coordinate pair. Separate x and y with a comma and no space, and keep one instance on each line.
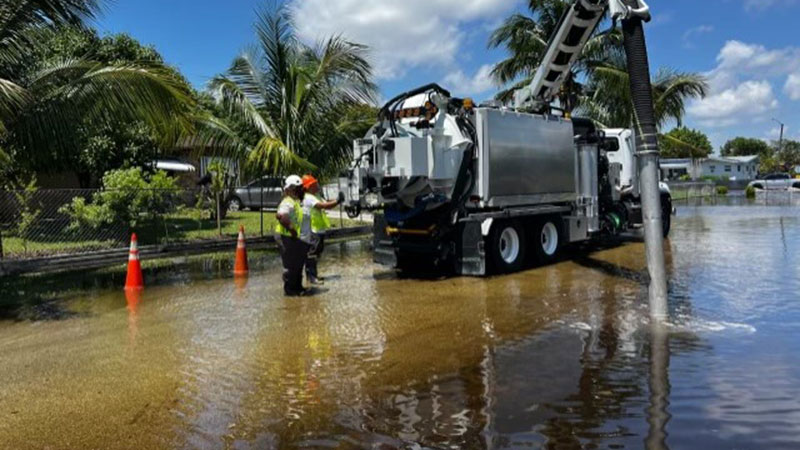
(293,254)
(315,250)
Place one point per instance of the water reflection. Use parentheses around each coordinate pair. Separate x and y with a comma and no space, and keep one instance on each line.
(133,298)
(562,356)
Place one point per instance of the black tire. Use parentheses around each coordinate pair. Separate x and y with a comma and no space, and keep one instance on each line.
(666,215)
(235,204)
(506,246)
(548,232)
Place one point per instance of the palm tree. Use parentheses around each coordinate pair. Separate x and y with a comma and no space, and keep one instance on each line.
(295,96)
(41,109)
(526,40)
(608,100)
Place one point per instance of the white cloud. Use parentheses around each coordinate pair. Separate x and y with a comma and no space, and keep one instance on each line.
(402,35)
(731,106)
(792,86)
(741,87)
(462,84)
(738,60)
(696,31)
(761,5)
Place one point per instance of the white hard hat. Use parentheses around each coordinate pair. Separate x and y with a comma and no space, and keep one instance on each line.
(292,181)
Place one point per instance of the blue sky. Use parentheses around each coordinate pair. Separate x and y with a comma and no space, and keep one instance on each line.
(750,49)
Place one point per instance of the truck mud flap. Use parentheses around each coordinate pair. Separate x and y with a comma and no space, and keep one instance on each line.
(383,248)
(471,255)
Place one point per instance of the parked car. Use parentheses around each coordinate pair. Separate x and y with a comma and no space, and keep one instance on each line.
(266,192)
(775,181)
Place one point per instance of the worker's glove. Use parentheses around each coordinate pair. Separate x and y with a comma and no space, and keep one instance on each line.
(340,198)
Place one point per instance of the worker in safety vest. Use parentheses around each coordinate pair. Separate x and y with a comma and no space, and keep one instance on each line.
(293,250)
(315,224)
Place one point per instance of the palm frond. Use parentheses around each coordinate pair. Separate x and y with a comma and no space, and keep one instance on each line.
(233,95)
(70,91)
(13,98)
(273,156)
(295,95)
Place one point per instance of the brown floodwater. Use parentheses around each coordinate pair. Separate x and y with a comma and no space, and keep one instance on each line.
(561,356)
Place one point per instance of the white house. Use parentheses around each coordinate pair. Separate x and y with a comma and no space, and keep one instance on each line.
(730,167)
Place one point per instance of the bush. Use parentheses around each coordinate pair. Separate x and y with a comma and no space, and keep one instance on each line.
(722,190)
(128,197)
(29,212)
(750,192)
(685,177)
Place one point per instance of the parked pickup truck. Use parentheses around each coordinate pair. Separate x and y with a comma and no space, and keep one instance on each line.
(776,181)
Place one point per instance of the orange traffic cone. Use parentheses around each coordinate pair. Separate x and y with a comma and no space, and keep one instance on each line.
(134,280)
(240,267)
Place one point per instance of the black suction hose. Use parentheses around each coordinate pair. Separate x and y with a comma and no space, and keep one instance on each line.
(641,89)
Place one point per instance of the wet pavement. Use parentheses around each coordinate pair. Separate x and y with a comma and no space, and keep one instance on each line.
(558,357)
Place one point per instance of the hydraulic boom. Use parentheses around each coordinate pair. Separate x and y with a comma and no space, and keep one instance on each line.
(566,45)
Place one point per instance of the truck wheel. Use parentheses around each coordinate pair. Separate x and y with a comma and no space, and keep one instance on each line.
(548,239)
(507,246)
(666,215)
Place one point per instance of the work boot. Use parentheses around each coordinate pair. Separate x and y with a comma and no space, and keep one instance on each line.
(315,280)
(301,293)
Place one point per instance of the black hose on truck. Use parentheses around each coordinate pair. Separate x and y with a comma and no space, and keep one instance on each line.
(641,89)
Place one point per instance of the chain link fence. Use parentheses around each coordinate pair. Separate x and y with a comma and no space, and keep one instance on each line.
(50,222)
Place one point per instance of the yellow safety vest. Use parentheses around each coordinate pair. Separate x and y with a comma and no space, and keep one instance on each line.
(297,220)
(319,219)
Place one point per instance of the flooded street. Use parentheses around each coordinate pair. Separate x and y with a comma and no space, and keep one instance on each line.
(559,357)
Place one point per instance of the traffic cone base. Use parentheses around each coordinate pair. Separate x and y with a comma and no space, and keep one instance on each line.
(240,267)
(134,280)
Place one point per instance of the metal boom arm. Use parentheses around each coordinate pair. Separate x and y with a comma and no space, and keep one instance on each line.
(574,30)
(565,46)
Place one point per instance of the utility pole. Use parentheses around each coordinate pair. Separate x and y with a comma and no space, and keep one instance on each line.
(647,152)
(780,140)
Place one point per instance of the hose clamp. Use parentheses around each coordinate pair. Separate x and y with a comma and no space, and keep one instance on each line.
(621,11)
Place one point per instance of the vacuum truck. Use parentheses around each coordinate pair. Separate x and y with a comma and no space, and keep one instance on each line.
(478,189)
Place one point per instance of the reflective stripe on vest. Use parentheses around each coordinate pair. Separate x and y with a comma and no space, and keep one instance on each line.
(297,220)
(319,219)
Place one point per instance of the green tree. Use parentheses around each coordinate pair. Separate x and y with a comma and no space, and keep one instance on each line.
(742,146)
(107,143)
(526,38)
(788,155)
(295,97)
(682,142)
(45,102)
(608,100)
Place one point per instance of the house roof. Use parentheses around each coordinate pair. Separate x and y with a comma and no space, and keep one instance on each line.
(744,159)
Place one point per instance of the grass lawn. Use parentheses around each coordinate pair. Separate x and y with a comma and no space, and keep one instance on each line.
(183,226)
(14,246)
